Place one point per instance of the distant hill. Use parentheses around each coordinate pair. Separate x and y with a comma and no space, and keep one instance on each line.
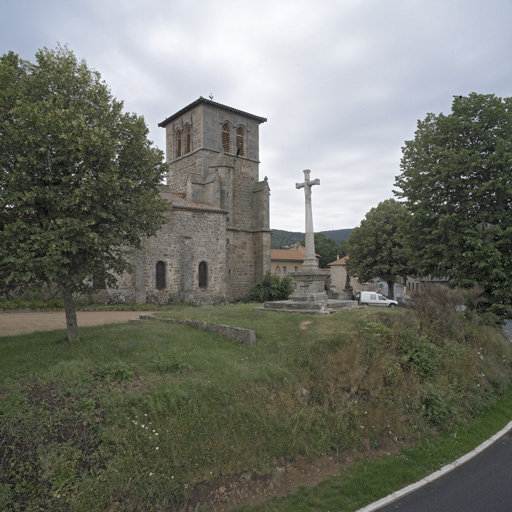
(282,238)
(338,234)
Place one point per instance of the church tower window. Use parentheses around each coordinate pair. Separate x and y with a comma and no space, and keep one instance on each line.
(160,275)
(177,139)
(226,136)
(203,274)
(188,139)
(240,141)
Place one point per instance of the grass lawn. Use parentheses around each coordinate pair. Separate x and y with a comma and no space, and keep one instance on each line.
(142,416)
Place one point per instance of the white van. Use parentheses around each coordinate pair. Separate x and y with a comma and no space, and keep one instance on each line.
(376,299)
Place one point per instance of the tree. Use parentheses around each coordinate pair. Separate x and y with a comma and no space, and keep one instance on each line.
(378,247)
(456,179)
(79,179)
(327,249)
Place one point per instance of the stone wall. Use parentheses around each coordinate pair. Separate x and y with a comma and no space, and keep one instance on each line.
(339,278)
(188,238)
(245,336)
(206,131)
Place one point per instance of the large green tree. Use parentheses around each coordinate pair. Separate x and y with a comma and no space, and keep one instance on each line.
(327,249)
(79,178)
(378,249)
(456,179)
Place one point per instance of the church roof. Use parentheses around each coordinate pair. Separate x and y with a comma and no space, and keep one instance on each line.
(180,202)
(202,100)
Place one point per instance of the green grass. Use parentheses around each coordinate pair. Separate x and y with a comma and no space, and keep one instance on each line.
(138,414)
(370,480)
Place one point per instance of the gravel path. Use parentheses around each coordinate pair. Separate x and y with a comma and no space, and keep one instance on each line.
(14,323)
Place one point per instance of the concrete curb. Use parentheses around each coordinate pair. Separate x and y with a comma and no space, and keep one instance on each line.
(377,505)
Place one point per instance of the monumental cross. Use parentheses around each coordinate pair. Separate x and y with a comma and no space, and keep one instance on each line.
(310,261)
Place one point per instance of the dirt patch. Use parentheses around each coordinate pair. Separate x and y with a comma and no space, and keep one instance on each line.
(15,323)
(287,478)
(305,324)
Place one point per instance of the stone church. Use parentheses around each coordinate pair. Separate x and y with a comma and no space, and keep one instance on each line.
(216,243)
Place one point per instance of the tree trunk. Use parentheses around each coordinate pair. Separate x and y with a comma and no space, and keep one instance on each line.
(71,323)
(391,290)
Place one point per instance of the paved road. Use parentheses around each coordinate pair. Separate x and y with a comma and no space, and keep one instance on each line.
(508,329)
(484,484)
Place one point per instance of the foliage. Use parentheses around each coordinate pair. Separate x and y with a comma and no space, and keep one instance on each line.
(272,287)
(338,235)
(370,480)
(439,309)
(456,180)
(121,418)
(418,353)
(79,179)
(327,249)
(31,304)
(378,247)
(282,239)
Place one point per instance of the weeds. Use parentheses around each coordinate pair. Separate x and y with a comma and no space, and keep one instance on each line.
(140,414)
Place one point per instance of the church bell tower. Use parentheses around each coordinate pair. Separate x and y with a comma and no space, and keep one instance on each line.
(213,156)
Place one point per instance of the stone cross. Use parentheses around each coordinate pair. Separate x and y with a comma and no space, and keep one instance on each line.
(310,261)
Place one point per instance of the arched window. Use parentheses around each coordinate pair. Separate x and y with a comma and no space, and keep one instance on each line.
(177,141)
(203,274)
(160,275)
(188,139)
(240,141)
(226,136)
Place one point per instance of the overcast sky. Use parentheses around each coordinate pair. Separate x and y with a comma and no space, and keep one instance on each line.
(342,83)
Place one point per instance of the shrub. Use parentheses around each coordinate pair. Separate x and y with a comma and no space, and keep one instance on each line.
(436,410)
(438,308)
(272,287)
(419,354)
(116,371)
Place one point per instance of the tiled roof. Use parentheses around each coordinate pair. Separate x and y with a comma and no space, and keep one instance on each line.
(339,261)
(194,104)
(288,254)
(179,202)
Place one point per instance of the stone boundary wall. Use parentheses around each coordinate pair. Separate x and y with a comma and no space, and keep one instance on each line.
(245,336)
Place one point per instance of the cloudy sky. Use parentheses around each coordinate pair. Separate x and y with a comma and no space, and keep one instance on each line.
(341,82)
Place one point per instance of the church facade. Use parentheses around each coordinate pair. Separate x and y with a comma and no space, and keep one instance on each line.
(216,242)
